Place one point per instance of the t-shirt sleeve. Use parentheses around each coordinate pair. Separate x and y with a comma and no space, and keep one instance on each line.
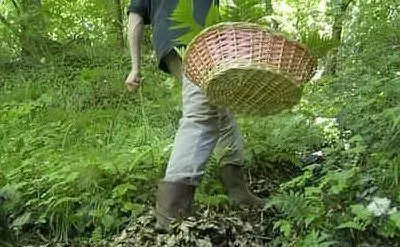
(141,7)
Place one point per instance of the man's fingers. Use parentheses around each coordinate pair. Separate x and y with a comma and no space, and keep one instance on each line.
(132,86)
(133,81)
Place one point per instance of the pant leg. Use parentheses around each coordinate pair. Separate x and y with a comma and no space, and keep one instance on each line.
(196,138)
(229,149)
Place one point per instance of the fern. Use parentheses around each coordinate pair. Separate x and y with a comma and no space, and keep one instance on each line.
(242,11)
(97,235)
(249,11)
(301,208)
(315,239)
(319,45)
(184,19)
(212,16)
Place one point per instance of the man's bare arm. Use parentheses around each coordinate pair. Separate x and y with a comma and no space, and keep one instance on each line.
(135,28)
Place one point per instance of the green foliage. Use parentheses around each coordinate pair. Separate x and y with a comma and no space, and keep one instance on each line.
(252,11)
(319,45)
(299,207)
(357,184)
(315,239)
(184,19)
(248,11)
(80,157)
(61,168)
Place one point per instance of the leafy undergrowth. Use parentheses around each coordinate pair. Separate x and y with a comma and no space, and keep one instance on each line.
(80,158)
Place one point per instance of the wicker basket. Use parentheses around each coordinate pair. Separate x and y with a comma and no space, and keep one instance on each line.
(247,68)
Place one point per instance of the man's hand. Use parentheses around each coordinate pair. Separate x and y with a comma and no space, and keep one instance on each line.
(132,82)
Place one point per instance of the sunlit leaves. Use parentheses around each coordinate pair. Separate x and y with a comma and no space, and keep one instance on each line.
(184,19)
(319,45)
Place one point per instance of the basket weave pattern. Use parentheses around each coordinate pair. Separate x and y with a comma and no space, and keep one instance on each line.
(247,68)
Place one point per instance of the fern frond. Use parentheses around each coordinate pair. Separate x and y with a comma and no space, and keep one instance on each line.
(183,15)
(297,206)
(213,16)
(317,239)
(184,19)
(318,45)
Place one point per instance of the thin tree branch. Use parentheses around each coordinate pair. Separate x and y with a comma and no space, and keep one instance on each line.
(346,5)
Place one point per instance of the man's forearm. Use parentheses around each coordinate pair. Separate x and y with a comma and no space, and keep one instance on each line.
(135,27)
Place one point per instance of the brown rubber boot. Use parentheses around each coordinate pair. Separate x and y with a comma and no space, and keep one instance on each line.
(234,182)
(174,201)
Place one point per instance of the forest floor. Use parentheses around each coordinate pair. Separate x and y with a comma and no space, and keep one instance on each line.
(80,158)
(77,127)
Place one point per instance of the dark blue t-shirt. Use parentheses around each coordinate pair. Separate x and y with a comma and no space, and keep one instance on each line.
(158,13)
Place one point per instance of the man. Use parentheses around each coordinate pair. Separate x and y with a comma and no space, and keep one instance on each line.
(203,127)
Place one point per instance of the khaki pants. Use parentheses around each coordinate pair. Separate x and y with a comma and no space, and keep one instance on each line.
(204,128)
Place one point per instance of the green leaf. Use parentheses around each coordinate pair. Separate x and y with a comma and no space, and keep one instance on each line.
(133,207)
(128,206)
(340,179)
(212,16)
(184,19)
(395,218)
(315,238)
(361,212)
(336,189)
(352,225)
(122,189)
(108,221)
(318,45)
(285,226)
(21,220)
(311,191)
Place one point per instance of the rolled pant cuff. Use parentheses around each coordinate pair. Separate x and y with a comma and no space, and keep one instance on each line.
(187,178)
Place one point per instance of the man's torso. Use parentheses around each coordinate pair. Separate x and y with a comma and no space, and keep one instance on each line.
(159,16)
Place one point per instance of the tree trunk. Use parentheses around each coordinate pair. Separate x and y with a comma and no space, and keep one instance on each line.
(337,28)
(32,28)
(332,64)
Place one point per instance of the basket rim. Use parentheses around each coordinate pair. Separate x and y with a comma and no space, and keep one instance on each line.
(244,25)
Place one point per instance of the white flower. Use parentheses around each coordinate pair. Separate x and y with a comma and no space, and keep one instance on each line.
(89,26)
(318,153)
(379,206)
(324,120)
